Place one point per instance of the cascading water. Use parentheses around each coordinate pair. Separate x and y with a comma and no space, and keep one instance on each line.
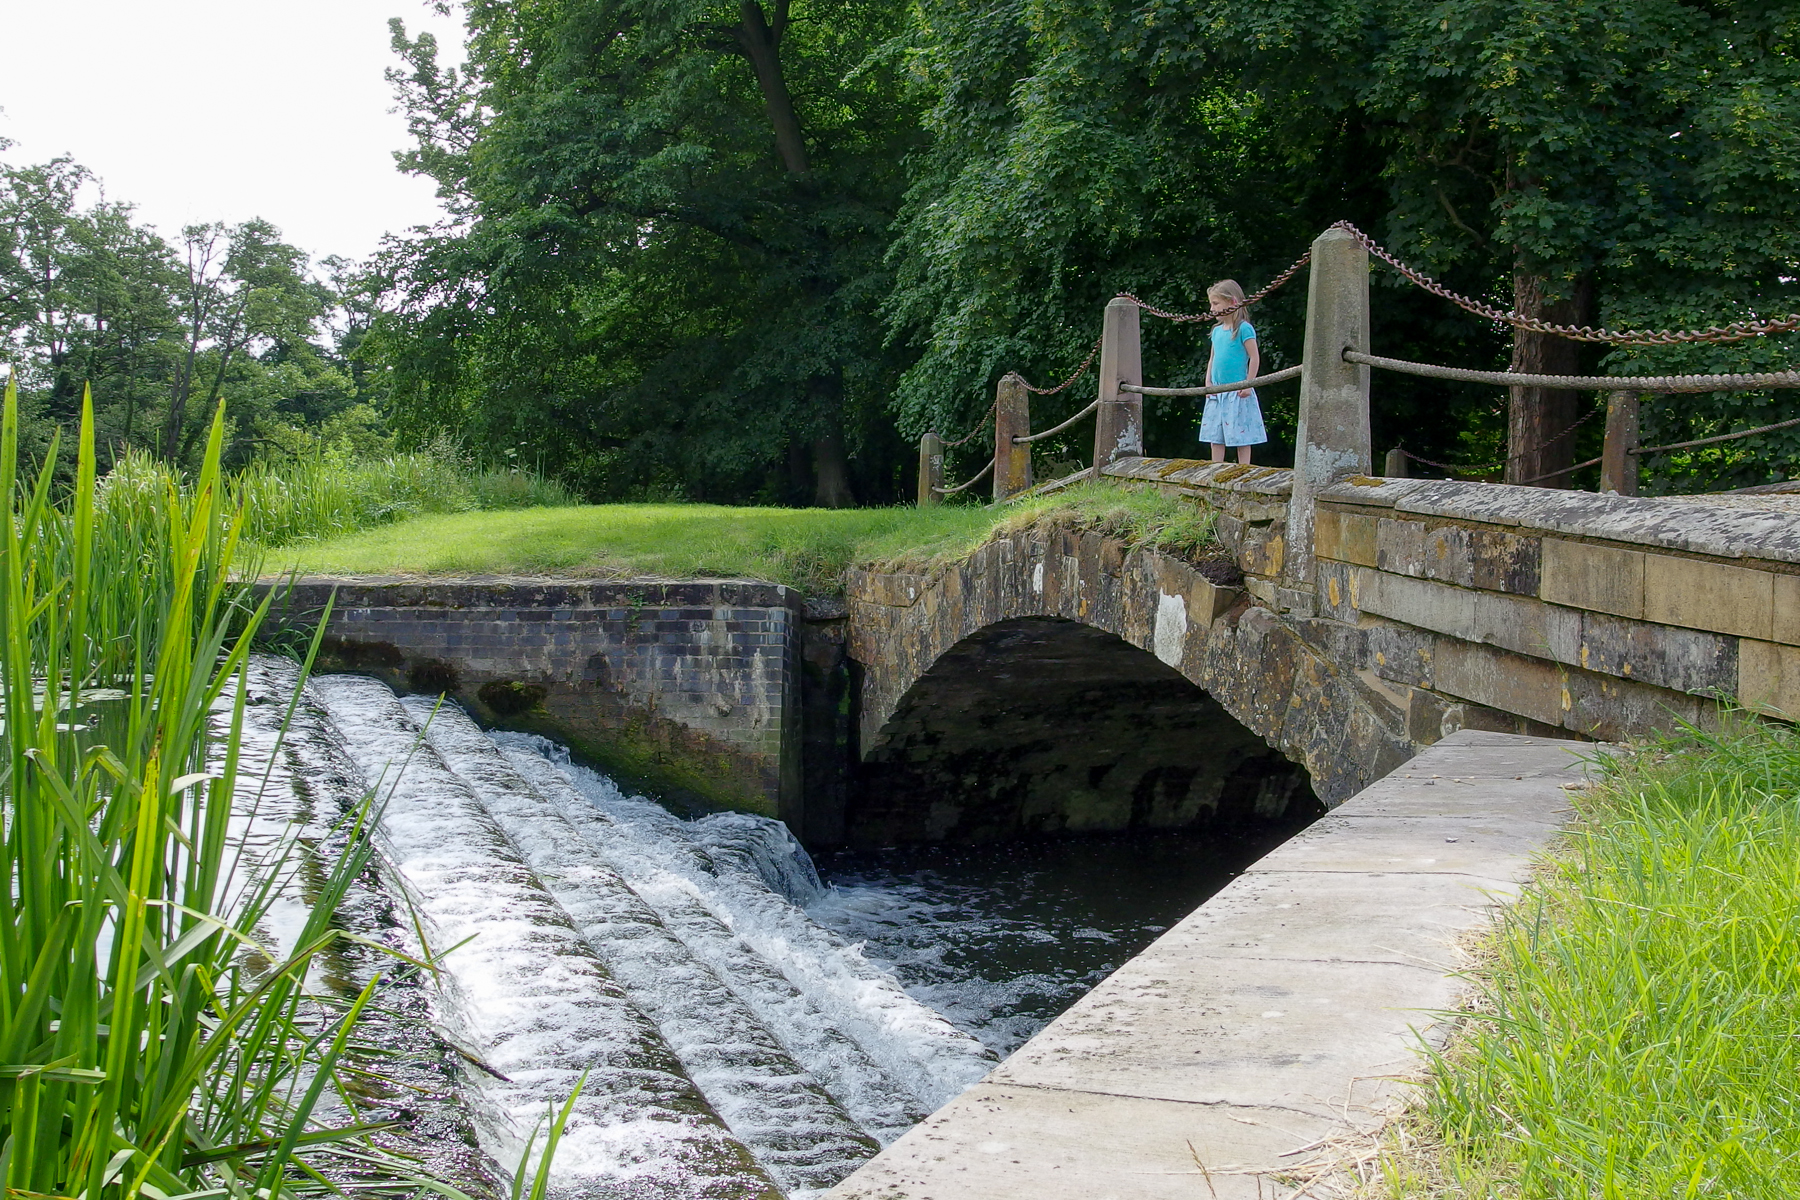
(744,1028)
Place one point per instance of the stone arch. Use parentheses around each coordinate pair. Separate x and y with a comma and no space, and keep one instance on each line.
(1296,683)
(1042,725)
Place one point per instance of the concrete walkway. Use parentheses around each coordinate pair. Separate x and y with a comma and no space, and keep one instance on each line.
(1277,1014)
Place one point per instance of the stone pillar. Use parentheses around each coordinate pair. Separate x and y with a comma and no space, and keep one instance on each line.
(1332,441)
(1618,465)
(1119,421)
(1012,418)
(1395,467)
(931,470)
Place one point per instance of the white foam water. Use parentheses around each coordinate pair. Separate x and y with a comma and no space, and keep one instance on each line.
(777,1109)
(525,991)
(867,1091)
(724,864)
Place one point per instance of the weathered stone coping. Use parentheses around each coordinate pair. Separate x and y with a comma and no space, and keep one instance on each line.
(530,592)
(1670,524)
(1638,520)
(1277,1014)
(1196,474)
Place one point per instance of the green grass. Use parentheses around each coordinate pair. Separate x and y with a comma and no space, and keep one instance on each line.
(1639,1027)
(807,548)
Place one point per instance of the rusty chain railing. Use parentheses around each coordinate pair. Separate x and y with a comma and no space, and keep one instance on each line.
(1010,412)
(1734,332)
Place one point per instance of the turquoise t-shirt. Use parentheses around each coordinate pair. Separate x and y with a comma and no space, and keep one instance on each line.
(1231,361)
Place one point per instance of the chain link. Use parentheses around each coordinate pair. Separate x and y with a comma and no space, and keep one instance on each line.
(1241,306)
(1079,371)
(1169,316)
(975,432)
(1734,332)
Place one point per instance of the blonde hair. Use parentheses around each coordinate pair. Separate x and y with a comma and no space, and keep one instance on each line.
(1229,289)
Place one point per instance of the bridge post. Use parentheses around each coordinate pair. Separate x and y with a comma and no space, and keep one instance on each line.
(1618,465)
(931,470)
(1332,442)
(1012,418)
(1119,420)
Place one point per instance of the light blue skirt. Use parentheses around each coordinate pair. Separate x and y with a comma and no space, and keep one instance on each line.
(1232,420)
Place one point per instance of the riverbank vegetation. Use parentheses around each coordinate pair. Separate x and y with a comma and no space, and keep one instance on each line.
(1637,1022)
(153,1040)
(809,549)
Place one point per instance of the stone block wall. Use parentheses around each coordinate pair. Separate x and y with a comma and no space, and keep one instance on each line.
(1528,610)
(689,688)
(1426,607)
(1606,616)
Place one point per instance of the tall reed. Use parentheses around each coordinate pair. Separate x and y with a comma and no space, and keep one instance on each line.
(143,1051)
(325,495)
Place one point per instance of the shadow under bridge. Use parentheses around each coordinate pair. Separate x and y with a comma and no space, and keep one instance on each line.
(1042,726)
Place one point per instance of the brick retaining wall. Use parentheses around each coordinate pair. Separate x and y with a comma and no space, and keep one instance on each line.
(690,688)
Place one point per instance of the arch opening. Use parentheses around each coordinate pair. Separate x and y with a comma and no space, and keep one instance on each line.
(1042,726)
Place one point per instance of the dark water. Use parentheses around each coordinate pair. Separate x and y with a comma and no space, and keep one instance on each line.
(1002,938)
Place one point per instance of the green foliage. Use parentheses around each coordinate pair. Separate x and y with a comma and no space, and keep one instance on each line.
(143,1052)
(809,549)
(1083,149)
(1142,518)
(1645,152)
(1638,1031)
(159,332)
(666,270)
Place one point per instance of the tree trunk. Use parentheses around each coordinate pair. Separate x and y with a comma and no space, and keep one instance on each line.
(1538,418)
(799,471)
(761,43)
(832,472)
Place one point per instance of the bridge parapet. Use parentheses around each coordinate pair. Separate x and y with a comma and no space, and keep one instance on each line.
(1433,606)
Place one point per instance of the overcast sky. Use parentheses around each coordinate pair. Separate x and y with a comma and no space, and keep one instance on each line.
(204,110)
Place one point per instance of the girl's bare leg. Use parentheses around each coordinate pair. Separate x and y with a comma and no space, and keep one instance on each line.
(1218,452)
(1244,455)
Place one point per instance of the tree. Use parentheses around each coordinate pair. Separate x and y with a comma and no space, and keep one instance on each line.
(1630,162)
(1082,150)
(667,257)
(90,298)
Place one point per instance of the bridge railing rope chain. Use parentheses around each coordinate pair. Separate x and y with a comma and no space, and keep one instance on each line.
(1658,384)
(969,483)
(1017,415)
(1734,332)
(1676,445)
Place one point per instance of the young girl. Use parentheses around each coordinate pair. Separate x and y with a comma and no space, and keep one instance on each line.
(1232,418)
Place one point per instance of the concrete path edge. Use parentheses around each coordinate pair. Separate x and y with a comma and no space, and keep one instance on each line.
(1285,1012)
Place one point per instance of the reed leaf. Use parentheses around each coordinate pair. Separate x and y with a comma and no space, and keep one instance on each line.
(143,1051)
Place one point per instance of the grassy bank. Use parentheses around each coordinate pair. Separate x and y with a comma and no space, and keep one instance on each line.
(1639,1032)
(807,548)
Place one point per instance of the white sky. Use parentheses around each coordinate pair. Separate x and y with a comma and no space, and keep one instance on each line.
(222,110)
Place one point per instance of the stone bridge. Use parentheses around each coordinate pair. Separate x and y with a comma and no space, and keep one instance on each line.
(1054,681)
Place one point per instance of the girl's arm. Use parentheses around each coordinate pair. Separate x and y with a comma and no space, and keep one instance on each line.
(1255,364)
(1211,357)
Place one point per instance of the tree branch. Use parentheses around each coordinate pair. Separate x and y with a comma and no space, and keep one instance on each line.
(759,43)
